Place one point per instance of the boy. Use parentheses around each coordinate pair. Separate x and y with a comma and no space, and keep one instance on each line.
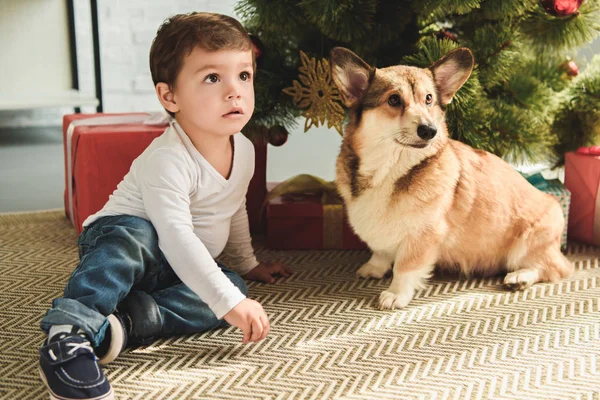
(147,265)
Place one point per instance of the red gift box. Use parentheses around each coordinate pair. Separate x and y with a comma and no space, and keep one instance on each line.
(99,153)
(305,223)
(582,178)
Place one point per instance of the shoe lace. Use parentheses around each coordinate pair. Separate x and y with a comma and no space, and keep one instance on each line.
(76,346)
(86,345)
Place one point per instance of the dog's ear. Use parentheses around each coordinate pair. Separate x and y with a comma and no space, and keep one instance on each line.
(350,74)
(451,72)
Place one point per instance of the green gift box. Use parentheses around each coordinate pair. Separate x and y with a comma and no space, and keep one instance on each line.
(557,190)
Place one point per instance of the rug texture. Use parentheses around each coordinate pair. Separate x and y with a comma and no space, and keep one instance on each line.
(458,339)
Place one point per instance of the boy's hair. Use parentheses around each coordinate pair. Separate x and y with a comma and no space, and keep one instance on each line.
(180,34)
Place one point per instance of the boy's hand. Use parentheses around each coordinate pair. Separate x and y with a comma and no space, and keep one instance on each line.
(265,272)
(251,318)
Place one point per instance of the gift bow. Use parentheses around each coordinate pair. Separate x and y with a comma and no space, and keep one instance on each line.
(333,212)
(305,184)
(589,151)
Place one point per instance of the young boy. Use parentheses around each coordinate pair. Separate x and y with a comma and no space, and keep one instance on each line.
(147,267)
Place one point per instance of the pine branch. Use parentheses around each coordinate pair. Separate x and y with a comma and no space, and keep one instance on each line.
(501,10)
(520,135)
(496,52)
(429,51)
(438,9)
(548,33)
(346,21)
(577,122)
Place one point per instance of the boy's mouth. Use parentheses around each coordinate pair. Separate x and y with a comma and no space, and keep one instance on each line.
(235,111)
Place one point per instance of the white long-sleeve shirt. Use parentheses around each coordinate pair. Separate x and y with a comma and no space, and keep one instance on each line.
(196,212)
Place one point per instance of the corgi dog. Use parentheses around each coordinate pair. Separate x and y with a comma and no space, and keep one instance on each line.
(420,199)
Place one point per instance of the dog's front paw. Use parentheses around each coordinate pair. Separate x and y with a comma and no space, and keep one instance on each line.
(389,300)
(369,270)
(521,279)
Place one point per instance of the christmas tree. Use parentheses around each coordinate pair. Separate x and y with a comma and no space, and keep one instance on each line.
(525,100)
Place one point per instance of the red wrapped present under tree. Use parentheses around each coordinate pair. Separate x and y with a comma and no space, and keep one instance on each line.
(306,213)
(582,178)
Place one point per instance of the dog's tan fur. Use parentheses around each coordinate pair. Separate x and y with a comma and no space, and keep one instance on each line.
(424,202)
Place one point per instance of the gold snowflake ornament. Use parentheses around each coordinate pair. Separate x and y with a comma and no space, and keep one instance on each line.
(317,95)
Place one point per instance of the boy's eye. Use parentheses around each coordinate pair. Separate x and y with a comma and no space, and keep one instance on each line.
(245,76)
(212,78)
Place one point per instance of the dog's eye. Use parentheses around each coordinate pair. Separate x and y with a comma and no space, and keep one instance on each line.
(428,99)
(394,100)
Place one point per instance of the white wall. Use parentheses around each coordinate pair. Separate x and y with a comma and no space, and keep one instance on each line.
(126,31)
(39,55)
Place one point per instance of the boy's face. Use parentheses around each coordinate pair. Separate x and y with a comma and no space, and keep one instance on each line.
(214,92)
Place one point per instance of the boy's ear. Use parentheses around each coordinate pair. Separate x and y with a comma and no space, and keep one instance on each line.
(350,74)
(166,97)
(451,72)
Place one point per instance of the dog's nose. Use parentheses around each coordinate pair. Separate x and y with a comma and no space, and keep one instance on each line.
(426,132)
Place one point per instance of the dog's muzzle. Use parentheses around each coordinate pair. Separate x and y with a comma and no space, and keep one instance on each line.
(426,132)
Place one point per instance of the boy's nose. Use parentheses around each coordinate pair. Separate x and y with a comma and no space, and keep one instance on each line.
(233,92)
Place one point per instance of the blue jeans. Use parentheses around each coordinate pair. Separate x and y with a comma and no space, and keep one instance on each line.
(119,254)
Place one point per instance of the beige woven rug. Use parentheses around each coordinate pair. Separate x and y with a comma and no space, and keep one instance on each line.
(458,339)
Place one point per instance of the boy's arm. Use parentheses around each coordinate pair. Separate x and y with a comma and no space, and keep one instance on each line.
(241,254)
(165,184)
(239,245)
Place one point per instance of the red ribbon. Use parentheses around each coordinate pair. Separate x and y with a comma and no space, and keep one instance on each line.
(589,151)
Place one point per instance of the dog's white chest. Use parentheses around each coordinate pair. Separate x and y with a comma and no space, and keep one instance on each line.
(382,227)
